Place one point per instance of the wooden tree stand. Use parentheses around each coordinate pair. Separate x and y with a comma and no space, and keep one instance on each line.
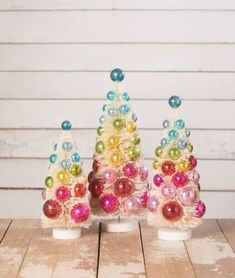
(174,234)
(66,233)
(119,225)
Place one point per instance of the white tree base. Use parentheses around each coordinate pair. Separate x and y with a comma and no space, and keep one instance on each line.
(121,226)
(174,234)
(66,233)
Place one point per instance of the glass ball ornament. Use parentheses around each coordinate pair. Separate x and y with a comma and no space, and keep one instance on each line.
(65,163)
(80,190)
(53,158)
(131,126)
(180,179)
(182,144)
(96,187)
(104,107)
(187,195)
(95,165)
(117,75)
(190,147)
(159,151)
(49,182)
(52,209)
(130,170)
(75,157)
(166,123)
(173,134)
(135,139)
(66,125)
(123,187)
(187,132)
(111,95)
(125,96)
(144,199)
(80,212)
(109,203)
(143,173)
(44,194)
(63,176)
(132,205)
(133,153)
(124,109)
(168,167)
(100,147)
(152,203)
(102,119)
(67,146)
(200,209)
(174,153)
(76,170)
(117,158)
(91,176)
(158,180)
(156,164)
(174,102)
(119,123)
(134,117)
(55,147)
(100,130)
(169,191)
(113,112)
(109,175)
(164,142)
(113,141)
(172,211)
(179,124)
(196,176)
(62,194)
(192,162)
(182,165)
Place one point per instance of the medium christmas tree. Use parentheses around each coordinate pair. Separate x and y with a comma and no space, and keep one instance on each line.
(66,194)
(174,200)
(119,179)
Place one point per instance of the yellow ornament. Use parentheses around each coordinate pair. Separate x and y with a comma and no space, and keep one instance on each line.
(156,164)
(100,130)
(76,170)
(190,147)
(119,123)
(135,139)
(113,141)
(174,153)
(133,153)
(131,126)
(49,182)
(159,151)
(117,158)
(63,176)
(182,166)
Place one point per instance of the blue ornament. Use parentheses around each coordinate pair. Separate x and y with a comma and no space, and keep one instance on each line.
(53,158)
(75,157)
(182,144)
(173,134)
(117,75)
(67,146)
(102,119)
(65,164)
(180,124)
(111,95)
(164,142)
(124,109)
(174,102)
(112,112)
(187,132)
(104,107)
(55,147)
(66,125)
(125,96)
(166,124)
(134,117)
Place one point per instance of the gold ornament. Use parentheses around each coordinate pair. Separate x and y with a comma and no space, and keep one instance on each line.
(100,130)
(174,153)
(133,153)
(117,158)
(119,123)
(182,166)
(113,141)
(63,176)
(131,126)
(190,147)
(156,164)
(49,182)
(135,139)
(75,170)
(159,151)
(100,147)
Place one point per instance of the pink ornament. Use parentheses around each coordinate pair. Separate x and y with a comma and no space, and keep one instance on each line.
(187,195)
(144,199)
(152,203)
(109,203)
(169,191)
(180,179)
(200,209)
(130,170)
(43,193)
(158,180)
(143,172)
(80,212)
(196,176)
(62,193)
(132,205)
(109,175)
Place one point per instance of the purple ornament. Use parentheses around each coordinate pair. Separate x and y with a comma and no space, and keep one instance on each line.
(196,176)
(144,199)
(200,209)
(132,205)
(188,195)
(158,180)
(152,203)
(80,212)
(169,191)
(143,172)
(109,203)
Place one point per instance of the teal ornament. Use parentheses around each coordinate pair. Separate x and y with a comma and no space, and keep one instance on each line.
(124,109)
(187,132)
(67,146)
(112,112)
(66,125)
(104,107)
(180,124)
(166,124)
(117,75)
(164,142)
(53,158)
(125,96)
(111,95)
(65,164)
(75,157)
(174,102)
(134,117)
(55,147)
(182,144)
(102,119)
(173,134)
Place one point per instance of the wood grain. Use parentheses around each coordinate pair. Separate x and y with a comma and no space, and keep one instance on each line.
(4,225)
(210,253)
(165,259)
(228,228)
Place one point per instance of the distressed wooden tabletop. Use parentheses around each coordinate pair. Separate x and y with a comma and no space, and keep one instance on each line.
(27,251)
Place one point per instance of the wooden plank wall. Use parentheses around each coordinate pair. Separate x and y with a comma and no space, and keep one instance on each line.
(55,58)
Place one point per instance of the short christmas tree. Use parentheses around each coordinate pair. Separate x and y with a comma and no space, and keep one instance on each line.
(174,198)
(66,194)
(119,178)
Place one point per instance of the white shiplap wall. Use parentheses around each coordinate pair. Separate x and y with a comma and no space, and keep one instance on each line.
(55,57)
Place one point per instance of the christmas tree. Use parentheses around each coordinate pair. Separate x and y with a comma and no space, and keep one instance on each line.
(174,196)
(119,178)
(66,194)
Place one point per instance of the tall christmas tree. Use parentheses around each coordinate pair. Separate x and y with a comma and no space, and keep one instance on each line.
(174,200)
(66,194)
(119,178)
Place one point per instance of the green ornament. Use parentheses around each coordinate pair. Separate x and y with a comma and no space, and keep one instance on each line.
(100,147)
(100,130)
(75,170)
(135,139)
(174,153)
(49,182)
(159,151)
(118,123)
(133,153)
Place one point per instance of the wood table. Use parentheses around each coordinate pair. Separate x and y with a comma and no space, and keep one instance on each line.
(27,251)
